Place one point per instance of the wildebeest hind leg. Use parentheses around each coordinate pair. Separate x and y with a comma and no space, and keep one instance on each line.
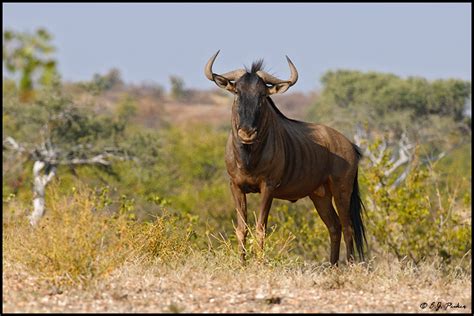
(342,198)
(331,220)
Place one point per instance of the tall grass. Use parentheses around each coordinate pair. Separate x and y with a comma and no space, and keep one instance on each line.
(78,241)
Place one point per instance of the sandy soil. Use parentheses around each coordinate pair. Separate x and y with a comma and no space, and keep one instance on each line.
(192,288)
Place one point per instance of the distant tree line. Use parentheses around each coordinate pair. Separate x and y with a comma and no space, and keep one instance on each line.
(387,92)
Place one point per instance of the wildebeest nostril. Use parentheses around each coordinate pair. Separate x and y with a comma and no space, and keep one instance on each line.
(247,136)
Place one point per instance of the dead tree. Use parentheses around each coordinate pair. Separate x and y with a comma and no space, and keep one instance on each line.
(55,132)
(47,158)
(401,151)
(401,156)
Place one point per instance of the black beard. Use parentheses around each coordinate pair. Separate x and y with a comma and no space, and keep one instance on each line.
(246,155)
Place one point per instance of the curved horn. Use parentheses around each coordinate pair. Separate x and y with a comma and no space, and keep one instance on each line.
(234,75)
(294,72)
(231,75)
(269,78)
(274,80)
(208,68)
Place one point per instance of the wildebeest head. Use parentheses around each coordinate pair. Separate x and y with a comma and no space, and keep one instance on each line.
(250,89)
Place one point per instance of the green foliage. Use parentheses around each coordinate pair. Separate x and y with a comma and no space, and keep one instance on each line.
(412,220)
(177,87)
(53,118)
(188,169)
(455,170)
(29,55)
(126,109)
(302,224)
(432,111)
(101,83)
(386,93)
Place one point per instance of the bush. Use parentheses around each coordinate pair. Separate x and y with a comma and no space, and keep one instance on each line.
(78,241)
(414,220)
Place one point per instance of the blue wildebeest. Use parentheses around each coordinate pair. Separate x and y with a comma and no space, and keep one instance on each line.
(287,159)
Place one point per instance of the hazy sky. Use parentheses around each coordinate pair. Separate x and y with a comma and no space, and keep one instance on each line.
(150,42)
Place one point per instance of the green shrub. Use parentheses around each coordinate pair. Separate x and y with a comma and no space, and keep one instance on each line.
(414,220)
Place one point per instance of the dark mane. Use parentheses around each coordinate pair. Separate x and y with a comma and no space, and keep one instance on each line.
(358,151)
(256,66)
(279,112)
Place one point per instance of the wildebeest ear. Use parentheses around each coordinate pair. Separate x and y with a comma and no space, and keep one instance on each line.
(224,83)
(278,88)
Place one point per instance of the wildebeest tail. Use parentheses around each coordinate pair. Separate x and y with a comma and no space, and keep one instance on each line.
(356,209)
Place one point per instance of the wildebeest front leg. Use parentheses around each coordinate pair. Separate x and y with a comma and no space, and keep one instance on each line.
(266,203)
(241,208)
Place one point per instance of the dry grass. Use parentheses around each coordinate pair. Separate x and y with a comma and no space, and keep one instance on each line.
(203,284)
(78,242)
(82,259)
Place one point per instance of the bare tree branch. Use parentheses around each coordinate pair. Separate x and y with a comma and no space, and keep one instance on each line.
(47,156)
(12,143)
(405,154)
(102,159)
(402,157)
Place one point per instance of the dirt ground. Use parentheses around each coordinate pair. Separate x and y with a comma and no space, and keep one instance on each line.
(192,287)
